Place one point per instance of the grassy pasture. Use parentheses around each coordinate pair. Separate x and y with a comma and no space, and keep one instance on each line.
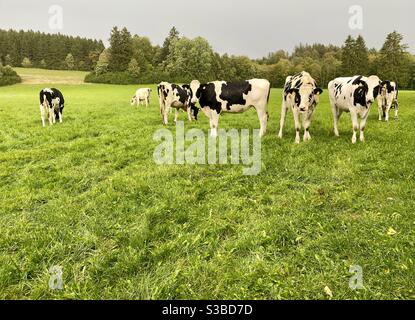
(87,196)
(42,76)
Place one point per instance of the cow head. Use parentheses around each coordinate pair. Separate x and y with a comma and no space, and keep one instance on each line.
(195,91)
(368,89)
(304,98)
(133,100)
(194,111)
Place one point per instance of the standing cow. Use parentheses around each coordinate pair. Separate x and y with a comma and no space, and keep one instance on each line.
(388,99)
(51,105)
(355,95)
(220,97)
(178,97)
(142,95)
(301,95)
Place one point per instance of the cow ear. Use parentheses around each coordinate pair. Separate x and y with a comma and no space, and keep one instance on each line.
(318,91)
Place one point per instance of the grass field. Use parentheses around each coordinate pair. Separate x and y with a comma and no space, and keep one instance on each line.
(38,76)
(86,195)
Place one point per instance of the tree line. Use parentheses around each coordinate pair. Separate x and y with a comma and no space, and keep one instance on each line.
(134,59)
(48,51)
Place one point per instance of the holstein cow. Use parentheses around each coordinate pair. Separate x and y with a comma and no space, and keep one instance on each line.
(142,95)
(355,95)
(388,99)
(220,97)
(301,95)
(177,97)
(51,105)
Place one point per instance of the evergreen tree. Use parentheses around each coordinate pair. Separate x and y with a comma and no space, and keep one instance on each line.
(361,62)
(174,34)
(121,49)
(348,57)
(392,58)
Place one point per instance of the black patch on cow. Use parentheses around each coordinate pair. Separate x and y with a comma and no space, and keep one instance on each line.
(376,91)
(182,94)
(360,96)
(232,93)
(207,97)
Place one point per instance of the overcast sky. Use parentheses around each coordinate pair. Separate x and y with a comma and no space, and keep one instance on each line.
(248,27)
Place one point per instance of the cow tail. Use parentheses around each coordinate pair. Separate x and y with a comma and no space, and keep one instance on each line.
(269,94)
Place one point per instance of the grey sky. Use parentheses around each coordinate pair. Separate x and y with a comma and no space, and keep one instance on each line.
(249,27)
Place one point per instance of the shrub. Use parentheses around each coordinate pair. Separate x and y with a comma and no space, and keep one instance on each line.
(8,76)
(26,63)
(112,78)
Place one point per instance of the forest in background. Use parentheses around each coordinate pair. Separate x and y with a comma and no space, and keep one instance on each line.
(133,59)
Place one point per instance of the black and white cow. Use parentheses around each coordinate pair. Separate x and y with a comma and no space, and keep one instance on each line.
(388,99)
(355,95)
(51,105)
(220,97)
(301,95)
(178,97)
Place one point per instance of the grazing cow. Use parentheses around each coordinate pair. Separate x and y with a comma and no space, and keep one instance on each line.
(388,99)
(220,97)
(142,95)
(301,95)
(178,97)
(355,95)
(51,104)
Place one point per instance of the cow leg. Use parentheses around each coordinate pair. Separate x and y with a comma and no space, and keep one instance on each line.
(165,115)
(263,121)
(355,122)
(388,108)
(336,117)
(297,124)
(51,114)
(214,123)
(396,109)
(42,115)
(380,111)
(189,114)
(176,116)
(363,126)
(283,117)
(306,126)
(60,117)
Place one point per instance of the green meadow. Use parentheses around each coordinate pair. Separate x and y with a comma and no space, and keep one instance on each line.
(86,195)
